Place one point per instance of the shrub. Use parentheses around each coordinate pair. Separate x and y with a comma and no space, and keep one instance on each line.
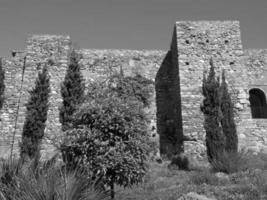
(2,84)
(230,162)
(109,138)
(137,86)
(72,91)
(50,183)
(36,115)
(215,139)
(180,161)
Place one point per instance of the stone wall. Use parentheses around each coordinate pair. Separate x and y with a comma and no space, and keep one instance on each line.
(177,74)
(253,132)
(53,50)
(197,43)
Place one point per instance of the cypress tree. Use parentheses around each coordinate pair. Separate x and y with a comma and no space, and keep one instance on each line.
(72,91)
(228,123)
(36,116)
(215,140)
(2,84)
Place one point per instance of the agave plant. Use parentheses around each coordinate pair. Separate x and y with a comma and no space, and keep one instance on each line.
(48,182)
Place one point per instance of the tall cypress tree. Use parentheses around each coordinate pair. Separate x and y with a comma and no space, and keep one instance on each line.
(228,123)
(2,84)
(215,140)
(36,116)
(72,91)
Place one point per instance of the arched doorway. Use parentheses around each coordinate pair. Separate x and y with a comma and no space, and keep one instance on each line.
(258,103)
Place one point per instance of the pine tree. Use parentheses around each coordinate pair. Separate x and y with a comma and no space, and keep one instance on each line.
(36,116)
(215,140)
(72,91)
(2,84)
(228,123)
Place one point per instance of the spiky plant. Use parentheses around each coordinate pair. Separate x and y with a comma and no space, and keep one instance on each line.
(36,116)
(72,91)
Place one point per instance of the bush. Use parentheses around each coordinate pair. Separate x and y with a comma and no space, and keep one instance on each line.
(36,115)
(49,182)
(109,138)
(137,87)
(2,84)
(230,162)
(180,161)
(72,92)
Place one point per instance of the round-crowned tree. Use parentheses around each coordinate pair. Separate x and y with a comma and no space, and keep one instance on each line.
(109,137)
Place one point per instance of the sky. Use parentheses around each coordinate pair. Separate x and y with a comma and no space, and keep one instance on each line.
(123,24)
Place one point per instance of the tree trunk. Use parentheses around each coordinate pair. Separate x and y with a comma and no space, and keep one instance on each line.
(112,192)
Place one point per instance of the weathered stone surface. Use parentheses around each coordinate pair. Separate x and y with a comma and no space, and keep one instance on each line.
(53,50)
(177,74)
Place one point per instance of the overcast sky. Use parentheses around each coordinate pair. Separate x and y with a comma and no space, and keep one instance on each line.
(123,24)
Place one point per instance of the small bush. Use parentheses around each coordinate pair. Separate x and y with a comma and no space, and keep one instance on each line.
(180,161)
(206,177)
(230,162)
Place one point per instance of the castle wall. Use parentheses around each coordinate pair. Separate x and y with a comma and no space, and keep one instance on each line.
(254,131)
(178,75)
(197,43)
(97,65)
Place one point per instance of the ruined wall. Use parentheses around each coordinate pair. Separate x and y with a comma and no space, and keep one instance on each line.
(97,65)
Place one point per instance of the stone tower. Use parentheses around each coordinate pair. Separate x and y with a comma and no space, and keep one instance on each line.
(179,80)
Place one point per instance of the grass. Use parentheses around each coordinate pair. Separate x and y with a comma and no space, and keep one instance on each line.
(247,182)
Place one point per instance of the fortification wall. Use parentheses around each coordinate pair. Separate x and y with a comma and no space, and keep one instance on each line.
(197,43)
(253,131)
(53,50)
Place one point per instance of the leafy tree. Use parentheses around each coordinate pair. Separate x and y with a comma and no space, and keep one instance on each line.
(2,84)
(36,116)
(228,123)
(109,137)
(136,86)
(215,139)
(72,91)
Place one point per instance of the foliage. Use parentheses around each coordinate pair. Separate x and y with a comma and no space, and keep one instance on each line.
(228,123)
(51,182)
(215,139)
(36,116)
(136,86)
(72,91)
(230,162)
(110,137)
(2,84)
(181,161)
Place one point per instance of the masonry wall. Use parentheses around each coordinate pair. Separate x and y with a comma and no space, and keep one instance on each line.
(197,43)
(253,132)
(97,65)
